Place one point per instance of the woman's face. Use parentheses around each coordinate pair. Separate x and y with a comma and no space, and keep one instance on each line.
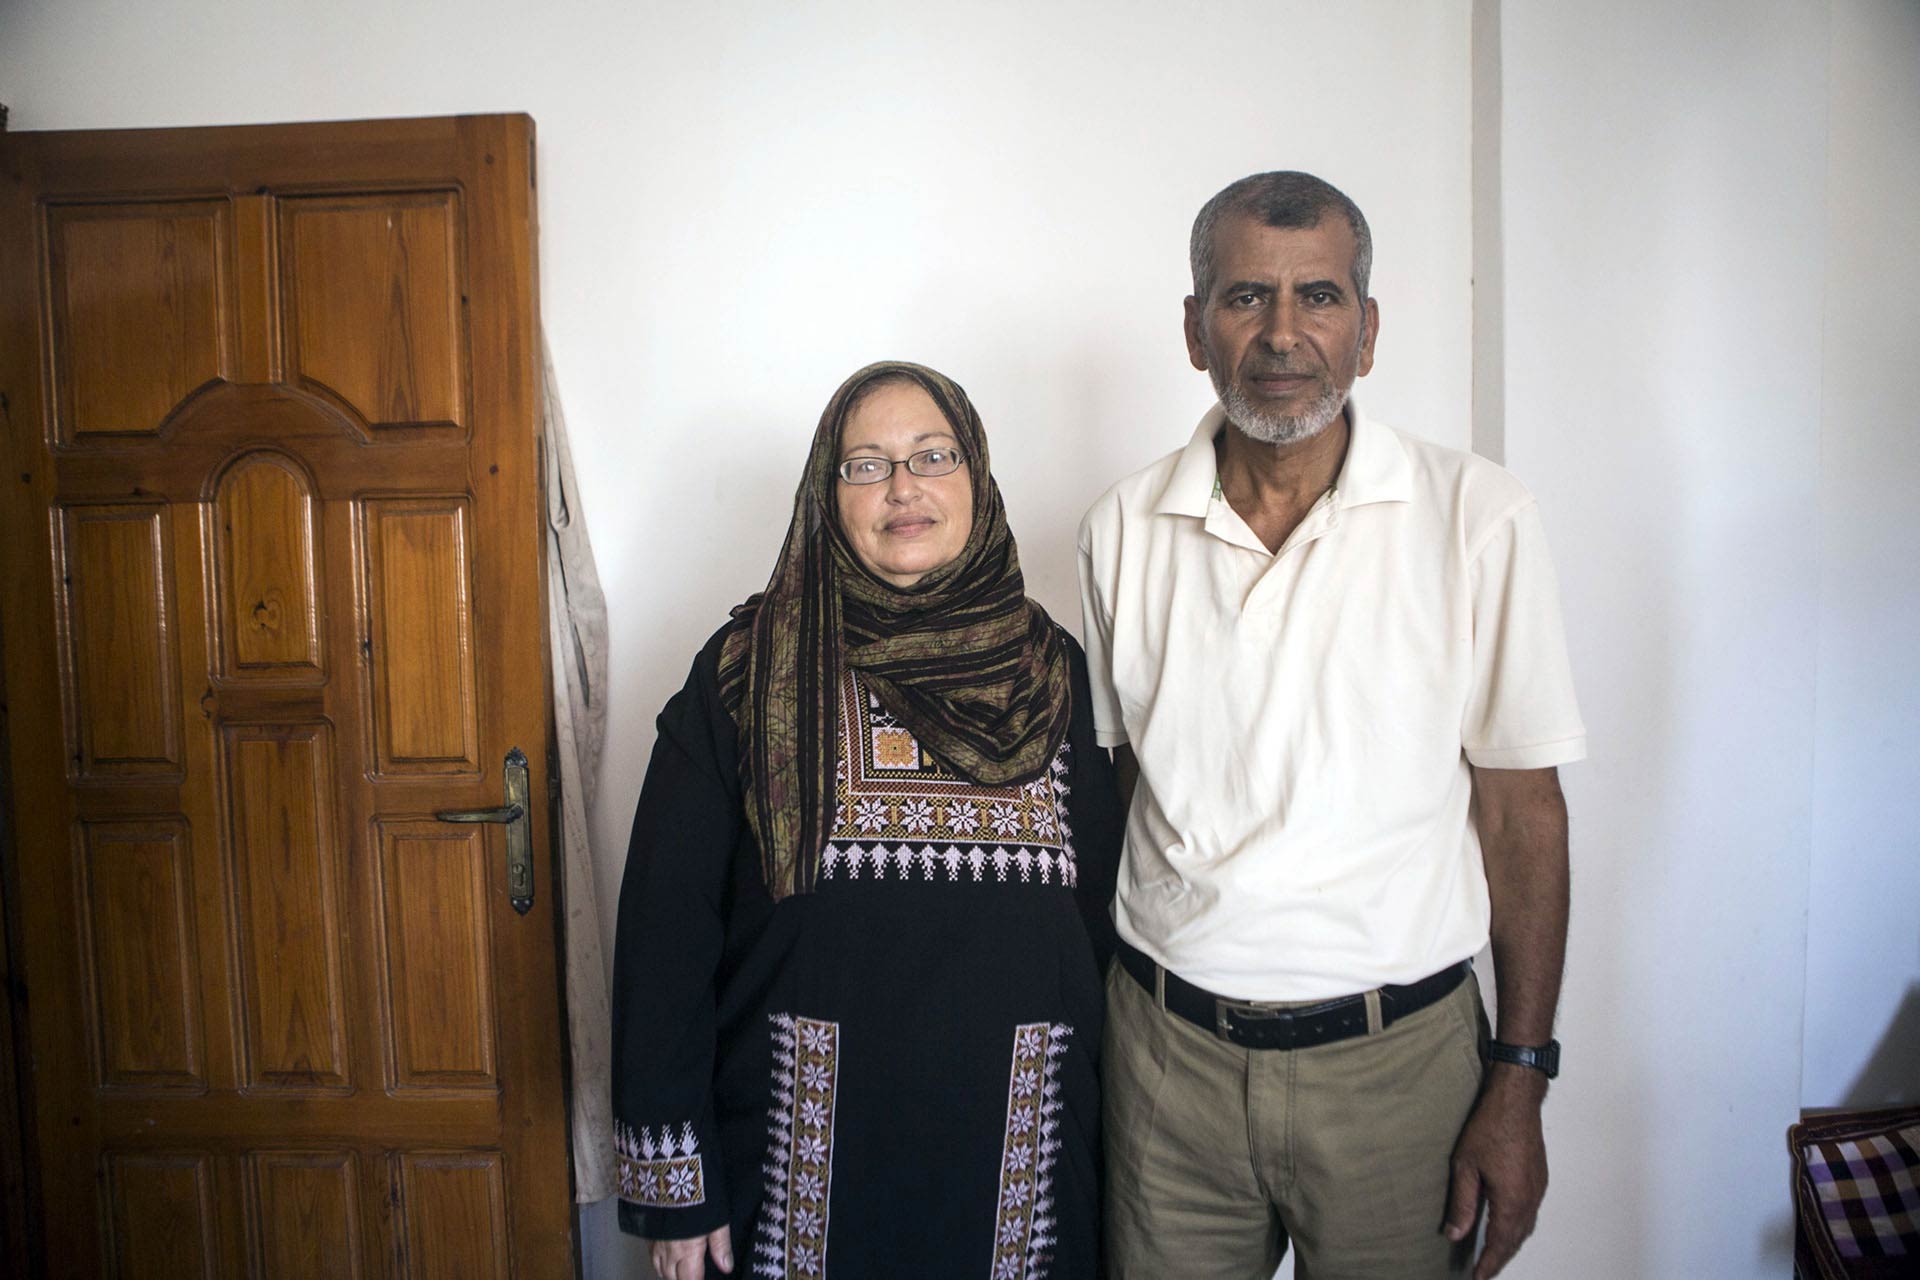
(906,526)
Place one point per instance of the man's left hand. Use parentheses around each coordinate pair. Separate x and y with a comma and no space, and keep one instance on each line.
(1501,1158)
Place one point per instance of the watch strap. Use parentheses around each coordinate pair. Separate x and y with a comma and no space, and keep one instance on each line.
(1544,1058)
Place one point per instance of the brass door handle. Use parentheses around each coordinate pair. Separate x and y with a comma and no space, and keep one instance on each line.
(512,815)
(507,813)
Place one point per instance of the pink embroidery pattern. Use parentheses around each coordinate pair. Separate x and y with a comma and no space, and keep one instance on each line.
(662,1172)
(792,1236)
(1023,1231)
(901,814)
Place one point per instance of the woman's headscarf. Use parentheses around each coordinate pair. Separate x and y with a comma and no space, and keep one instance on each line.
(970,666)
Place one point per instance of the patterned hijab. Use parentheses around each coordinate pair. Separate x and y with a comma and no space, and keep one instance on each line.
(975,670)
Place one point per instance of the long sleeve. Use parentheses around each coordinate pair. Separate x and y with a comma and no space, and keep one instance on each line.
(1095,817)
(668,944)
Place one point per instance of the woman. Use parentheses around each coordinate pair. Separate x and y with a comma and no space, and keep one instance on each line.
(856,997)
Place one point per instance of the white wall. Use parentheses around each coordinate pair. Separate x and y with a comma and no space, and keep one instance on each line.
(1664,217)
(1711,213)
(741,203)
(1863,917)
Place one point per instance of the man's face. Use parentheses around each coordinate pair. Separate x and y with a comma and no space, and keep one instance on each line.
(1281,333)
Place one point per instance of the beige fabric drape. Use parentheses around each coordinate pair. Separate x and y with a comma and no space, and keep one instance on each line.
(577,636)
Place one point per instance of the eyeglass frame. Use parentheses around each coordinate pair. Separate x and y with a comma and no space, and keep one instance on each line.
(840,468)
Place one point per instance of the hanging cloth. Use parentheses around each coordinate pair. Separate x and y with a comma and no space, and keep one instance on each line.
(577,640)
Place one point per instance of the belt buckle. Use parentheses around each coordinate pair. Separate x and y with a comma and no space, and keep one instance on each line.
(1224,1011)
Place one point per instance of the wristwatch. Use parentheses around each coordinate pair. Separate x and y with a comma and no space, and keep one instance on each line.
(1544,1058)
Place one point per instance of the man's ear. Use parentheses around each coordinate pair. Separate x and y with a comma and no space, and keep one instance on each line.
(1196,349)
(1373,332)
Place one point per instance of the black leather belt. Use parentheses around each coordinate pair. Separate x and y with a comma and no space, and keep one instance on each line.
(1256,1025)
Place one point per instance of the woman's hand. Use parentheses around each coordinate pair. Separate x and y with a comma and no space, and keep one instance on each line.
(687,1259)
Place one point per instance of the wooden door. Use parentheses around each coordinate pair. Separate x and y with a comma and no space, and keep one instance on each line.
(273,599)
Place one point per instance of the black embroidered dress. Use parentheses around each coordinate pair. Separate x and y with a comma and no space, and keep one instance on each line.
(894,1075)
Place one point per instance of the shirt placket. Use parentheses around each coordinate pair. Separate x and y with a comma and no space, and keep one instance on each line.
(1321,519)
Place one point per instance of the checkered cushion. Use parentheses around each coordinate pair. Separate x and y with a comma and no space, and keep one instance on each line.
(1857,1194)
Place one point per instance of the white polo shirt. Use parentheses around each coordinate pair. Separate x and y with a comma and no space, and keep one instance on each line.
(1304,720)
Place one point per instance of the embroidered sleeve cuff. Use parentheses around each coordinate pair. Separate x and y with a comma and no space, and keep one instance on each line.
(662,1174)
(1543,755)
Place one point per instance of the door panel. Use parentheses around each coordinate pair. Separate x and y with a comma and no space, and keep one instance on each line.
(385,265)
(161,1216)
(115,615)
(303,1217)
(137,313)
(136,911)
(267,572)
(273,598)
(286,905)
(421,628)
(456,1226)
(434,888)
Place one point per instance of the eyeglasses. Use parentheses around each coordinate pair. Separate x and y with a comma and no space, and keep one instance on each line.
(872,469)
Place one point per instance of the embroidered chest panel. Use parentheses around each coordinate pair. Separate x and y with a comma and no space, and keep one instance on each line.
(901,814)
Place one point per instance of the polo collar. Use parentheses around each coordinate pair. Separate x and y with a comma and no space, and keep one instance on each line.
(1376,467)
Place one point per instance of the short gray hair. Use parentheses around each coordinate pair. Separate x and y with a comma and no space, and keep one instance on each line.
(1284,198)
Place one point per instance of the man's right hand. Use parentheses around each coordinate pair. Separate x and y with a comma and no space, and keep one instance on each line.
(687,1259)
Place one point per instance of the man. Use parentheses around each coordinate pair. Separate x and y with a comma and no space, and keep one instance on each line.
(1331,655)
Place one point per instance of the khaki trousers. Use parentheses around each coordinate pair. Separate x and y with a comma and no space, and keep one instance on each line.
(1218,1156)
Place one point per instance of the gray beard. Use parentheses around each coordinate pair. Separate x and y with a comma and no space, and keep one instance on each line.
(1269,427)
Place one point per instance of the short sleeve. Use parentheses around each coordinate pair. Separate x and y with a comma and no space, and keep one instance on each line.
(1096,617)
(1521,712)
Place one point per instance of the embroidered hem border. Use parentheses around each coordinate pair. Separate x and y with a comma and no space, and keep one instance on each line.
(663,1172)
(1023,1231)
(792,1237)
